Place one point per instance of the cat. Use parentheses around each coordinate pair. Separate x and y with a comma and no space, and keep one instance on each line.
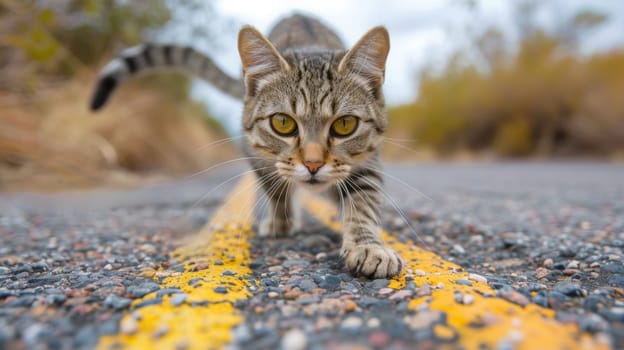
(314,117)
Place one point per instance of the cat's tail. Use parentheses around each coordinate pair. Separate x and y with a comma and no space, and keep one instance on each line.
(135,60)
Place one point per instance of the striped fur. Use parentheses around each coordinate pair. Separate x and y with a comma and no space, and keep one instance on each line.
(303,71)
(146,57)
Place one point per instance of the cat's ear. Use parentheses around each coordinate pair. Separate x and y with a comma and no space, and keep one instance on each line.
(367,57)
(259,57)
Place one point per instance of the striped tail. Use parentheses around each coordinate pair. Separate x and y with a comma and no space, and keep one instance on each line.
(145,57)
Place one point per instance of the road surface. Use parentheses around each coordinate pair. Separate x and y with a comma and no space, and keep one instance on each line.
(505,255)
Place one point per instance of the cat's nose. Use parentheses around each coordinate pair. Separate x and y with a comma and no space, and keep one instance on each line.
(313,167)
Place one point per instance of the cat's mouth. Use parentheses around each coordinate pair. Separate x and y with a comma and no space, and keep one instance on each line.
(313,181)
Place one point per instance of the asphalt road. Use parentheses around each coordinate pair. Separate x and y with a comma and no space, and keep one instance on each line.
(549,234)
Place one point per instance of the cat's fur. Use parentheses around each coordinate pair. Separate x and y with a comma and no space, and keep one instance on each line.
(301,71)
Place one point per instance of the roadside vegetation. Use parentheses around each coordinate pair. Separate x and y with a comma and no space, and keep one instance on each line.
(49,56)
(535,95)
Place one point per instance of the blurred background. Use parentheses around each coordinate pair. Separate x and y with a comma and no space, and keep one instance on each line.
(466,81)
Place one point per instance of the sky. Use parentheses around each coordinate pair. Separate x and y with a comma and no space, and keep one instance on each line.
(423,34)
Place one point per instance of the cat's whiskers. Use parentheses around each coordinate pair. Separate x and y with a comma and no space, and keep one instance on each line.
(219,165)
(218,142)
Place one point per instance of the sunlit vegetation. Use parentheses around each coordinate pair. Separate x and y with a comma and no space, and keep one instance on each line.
(49,55)
(538,98)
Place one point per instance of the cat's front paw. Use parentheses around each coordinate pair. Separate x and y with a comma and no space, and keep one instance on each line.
(372,261)
(270,227)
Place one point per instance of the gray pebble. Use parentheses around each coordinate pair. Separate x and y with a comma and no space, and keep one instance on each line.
(221,290)
(142,289)
(178,299)
(116,302)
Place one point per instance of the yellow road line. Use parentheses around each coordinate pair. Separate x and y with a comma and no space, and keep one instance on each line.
(216,274)
(480,320)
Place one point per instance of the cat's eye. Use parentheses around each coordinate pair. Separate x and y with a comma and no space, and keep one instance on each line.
(345,126)
(283,125)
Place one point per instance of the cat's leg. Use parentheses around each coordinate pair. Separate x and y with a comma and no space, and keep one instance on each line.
(363,250)
(279,220)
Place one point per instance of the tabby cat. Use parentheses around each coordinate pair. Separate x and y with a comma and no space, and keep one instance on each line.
(314,117)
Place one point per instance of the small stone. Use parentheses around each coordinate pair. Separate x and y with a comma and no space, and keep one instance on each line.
(422,320)
(464,283)
(459,249)
(385,291)
(228,273)
(379,283)
(467,299)
(350,305)
(142,289)
(401,294)
(320,256)
(351,322)
(108,267)
(178,299)
(129,325)
(373,322)
(322,323)
(4,270)
(275,268)
(541,272)
(570,289)
(116,302)
(548,262)
(331,283)
(424,290)
(515,297)
(220,290)
(573,264)
(378,339)
(477,278)
(160,331)
(272,294)
(294,339)
(420,273)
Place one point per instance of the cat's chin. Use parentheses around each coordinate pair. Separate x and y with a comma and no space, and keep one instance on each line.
(315,185)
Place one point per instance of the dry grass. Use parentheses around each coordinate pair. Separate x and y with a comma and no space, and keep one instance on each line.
(50,141)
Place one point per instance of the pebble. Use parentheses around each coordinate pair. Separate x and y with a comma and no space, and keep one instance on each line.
(477,278)
(570,289)
(330,283)
(548,263)
(459,249)
(378,283)
(468,299)
(294,339)
(351,323)
(129,325)
(350,305)
(420,273)
(464,283)
(116,302)
(220,290)
(373,322)
(4,270)
(401,294)
(378,339)
(178,298)
(423,319)
(424,290)
(385,291)
(142,289)
(514,297)
(541,272)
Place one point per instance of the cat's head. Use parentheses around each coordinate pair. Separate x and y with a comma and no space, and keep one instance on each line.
(316,113)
